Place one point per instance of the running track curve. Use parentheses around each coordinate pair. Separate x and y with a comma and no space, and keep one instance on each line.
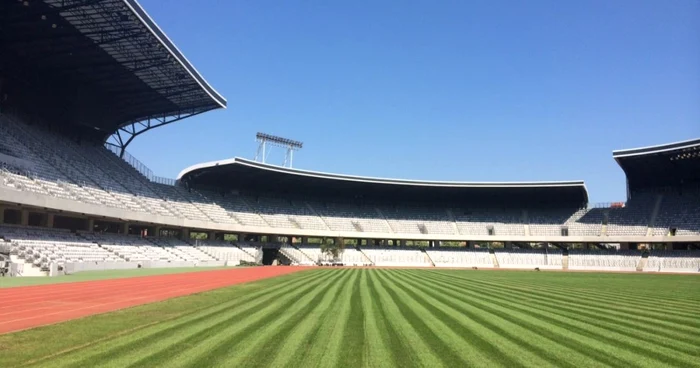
(32,306)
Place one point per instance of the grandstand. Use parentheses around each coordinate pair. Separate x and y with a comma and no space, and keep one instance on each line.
(71,197)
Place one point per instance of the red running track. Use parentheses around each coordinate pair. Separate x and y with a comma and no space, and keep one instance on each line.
(32,306)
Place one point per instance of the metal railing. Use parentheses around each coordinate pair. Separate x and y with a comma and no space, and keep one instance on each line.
(141,167)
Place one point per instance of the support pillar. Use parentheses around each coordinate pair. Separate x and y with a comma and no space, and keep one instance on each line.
(49,220)
(90,225)
(337,241)
(470,244)
(304,240)
(402,242)
(2,215)
(508,245)
(184,233)
(624,246)
(125,228)
(669,246)
(210,235)
(24,220)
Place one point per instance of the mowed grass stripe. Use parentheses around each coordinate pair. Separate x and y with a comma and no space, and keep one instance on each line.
(618,298)
(233,340)
(347,345)
(658,319)
(459,342)
(173,336)
(627,323)
(331,335)
(481,335)
(515,330)
(302,333)
(413,336)
(610,341)
(377,351)
(592,329)
(468,300)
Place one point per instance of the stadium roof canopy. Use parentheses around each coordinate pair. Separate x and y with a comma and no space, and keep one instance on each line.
(98,64)
(668,165)
(247,176)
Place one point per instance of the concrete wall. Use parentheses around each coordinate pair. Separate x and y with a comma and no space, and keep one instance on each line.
(71,268)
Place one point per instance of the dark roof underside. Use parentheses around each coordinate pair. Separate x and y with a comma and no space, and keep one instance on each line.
(253,178)
(674,165)
(97,63)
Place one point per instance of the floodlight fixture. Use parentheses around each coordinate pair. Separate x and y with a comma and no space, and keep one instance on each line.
(289,145)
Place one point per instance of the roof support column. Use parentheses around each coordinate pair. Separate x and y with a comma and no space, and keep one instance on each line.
(24,219)
(184,233)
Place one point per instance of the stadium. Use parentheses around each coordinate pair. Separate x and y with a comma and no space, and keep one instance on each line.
(338,269)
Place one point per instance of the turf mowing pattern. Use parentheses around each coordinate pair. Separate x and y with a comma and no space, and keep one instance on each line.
(391,318)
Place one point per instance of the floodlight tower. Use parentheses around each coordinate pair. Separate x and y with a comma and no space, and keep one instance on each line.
(289,145)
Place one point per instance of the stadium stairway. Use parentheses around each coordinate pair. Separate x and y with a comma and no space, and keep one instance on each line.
(207,253)
(654,212)
(254,210)
(308,205)
(526,222)
(643,262)
(364,255)
(314,261)
(453,221)
(427,256)
(381,215)
(294,222)
(290,256)
(494,259)
(245,251)
(357,226)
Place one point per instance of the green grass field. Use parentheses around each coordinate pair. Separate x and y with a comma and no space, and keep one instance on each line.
(6,282)
(391,318)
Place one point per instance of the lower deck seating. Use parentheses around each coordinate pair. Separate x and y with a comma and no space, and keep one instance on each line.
(462,257)
(673,261)
(43,246)
(296,256)
(224,251)
(623,260)
(529,258)
(397,257)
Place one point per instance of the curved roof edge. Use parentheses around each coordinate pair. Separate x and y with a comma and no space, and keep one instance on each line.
(146,19)
(656,149)
(427,183)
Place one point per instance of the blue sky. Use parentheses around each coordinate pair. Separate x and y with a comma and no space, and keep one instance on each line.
(437,90)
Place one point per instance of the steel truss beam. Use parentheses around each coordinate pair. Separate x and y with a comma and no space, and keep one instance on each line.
(126,134)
